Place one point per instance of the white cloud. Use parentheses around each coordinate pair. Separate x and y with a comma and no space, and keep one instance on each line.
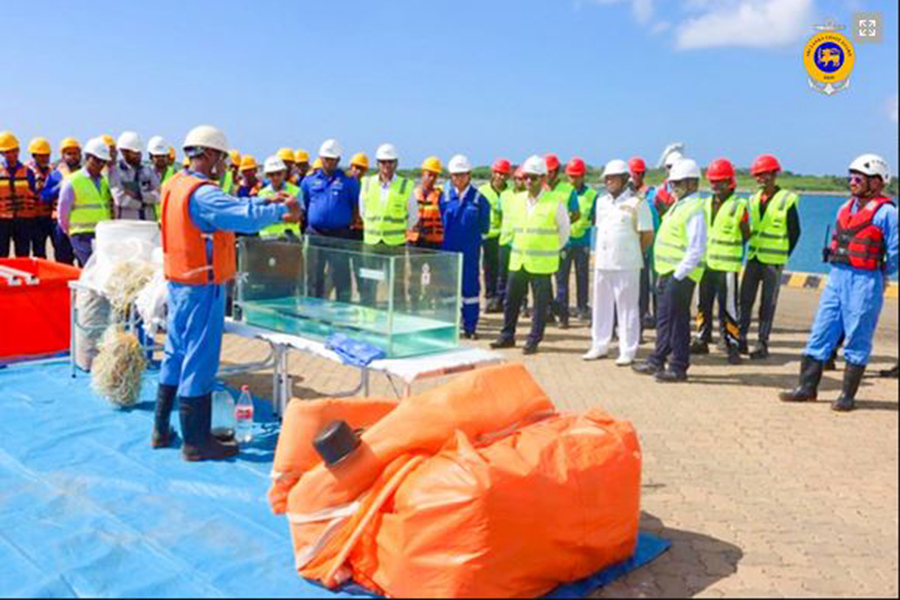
(892,109)
(745,23)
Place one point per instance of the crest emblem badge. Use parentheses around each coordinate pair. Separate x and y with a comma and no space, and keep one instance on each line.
(829,58)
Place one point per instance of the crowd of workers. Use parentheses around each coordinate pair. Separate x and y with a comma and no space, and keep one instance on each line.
(527,228)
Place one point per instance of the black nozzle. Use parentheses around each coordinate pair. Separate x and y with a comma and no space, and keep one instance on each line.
(335,442)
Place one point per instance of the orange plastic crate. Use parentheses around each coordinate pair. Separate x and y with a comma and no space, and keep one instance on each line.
(34,319)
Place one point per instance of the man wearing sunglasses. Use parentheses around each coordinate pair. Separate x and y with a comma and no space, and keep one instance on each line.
(863,256)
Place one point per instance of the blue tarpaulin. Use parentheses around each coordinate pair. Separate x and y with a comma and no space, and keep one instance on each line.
(88,509)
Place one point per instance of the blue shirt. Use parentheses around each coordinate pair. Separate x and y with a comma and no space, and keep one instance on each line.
(585,240)
(465,219)
(51,187)
(213,210)
(886,220)
(329,200)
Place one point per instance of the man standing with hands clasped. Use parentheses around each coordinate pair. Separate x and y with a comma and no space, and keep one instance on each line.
(624,232)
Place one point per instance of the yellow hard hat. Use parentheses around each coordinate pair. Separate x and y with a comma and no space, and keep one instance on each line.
(433,164)
(360,160)
(301,156)
(248,163)
(8,141)
(235,156)
(317,164)
(69,143)
(109,140)
(286,154)
(39,145)
(171,153)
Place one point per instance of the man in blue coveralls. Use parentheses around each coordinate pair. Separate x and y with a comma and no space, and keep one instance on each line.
(466,216)
(198,225)
(863,255)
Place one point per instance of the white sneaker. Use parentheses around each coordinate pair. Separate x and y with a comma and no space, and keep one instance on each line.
(624,361)
(595,354)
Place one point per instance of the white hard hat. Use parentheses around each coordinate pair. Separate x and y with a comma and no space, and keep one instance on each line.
(206,136)
(872,165)
(686,168)
(330,149)
(157,146)
(459,164)
(672,158)
(616,166)
(274,164)
(129,140)
(97,148)
(386,152)
(535,165)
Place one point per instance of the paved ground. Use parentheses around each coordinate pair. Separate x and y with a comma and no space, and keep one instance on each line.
(759,498)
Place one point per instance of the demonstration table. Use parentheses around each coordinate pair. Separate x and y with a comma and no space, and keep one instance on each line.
(407,370)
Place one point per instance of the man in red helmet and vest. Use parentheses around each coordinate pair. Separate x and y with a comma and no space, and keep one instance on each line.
(198,225)
(863,255)
(728,225)
(774,233)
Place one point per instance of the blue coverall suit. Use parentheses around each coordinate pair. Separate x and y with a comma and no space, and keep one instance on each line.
(852,300)
(196,313)
(465,221)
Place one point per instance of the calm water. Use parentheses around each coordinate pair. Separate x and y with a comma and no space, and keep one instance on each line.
(316,318)
(816,214)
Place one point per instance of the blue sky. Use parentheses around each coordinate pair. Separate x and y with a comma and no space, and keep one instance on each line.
(595,78)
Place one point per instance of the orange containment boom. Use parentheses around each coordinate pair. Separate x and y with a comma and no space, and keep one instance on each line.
(479,488)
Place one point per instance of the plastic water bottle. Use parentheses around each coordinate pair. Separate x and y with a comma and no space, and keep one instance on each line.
(243,416)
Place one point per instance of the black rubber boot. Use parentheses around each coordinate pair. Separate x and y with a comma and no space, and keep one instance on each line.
(852,379)
(699,347)
(890,373)
(165,401)
(196,415)
(810,378)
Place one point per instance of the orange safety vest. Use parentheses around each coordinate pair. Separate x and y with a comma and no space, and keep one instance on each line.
(16,197)
(41,176)
(186,259)
(430,229)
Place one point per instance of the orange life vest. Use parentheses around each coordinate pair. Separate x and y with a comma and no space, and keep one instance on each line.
(430,229)
(16,197)
(185,251)
(43,209)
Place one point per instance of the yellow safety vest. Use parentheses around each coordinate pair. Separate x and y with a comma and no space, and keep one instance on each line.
(672,240)
(385,222)
(493,198)
(280,229)
(769,242)
(91,205)
(535,245)
(585,204)
(725,245)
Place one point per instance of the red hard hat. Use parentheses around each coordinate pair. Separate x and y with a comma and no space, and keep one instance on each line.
(764,163)
(552,162)
(501,165)
(720,169)
(576,167)
(637,165)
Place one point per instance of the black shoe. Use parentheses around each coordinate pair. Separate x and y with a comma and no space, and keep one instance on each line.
(645,368)
(852,379)
(503,343)
(199,444)
(810,378)
(734,358)
(649,323)
(526,313)
(744,348)
(761,353)
(699,347)
(563,323)
(530,348)
(890,373)
(165,400)
(669,376)
(470,335)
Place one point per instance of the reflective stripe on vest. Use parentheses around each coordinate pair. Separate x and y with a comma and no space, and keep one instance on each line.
(672,240)
(187,250)
(535,243)
(585,204)
(493,198)
(91,205)
(857,242)
(725,248)
(769,242)
(16,197)
(279,229)
(385,222)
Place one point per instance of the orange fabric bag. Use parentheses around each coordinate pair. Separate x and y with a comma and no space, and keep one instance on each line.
(475,489)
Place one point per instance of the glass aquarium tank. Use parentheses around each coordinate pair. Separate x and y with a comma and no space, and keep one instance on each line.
(403,300)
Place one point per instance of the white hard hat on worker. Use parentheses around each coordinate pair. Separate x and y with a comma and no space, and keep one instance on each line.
(871,165)
(97,148)
(330,149)
(274,164)
(130,141)
(157,146)
(535,165)
(386,152)
(685,168)
(459,164)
